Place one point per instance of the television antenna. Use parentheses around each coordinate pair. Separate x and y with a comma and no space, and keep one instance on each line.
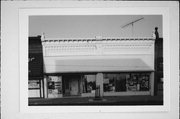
(132,23)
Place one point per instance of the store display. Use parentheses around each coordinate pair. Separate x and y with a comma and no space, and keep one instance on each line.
(89,83)
(54,86)
(33,84)
(138,82)
(126,82)
(34,88)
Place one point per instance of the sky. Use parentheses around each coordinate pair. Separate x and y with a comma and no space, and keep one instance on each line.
(90,26)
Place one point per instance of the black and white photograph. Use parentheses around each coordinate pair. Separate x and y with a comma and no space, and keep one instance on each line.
(89,59)
(95,60)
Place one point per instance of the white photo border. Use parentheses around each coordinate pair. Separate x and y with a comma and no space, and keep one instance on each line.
(24,15)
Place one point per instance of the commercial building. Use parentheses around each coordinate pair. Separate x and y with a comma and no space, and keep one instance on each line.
(36,75)
(81,66)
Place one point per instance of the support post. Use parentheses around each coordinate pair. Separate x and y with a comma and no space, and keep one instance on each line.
(99,82)
(152,84)
(41,86)
(45,87)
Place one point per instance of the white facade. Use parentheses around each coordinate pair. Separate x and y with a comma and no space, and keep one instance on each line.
(99,55)
(78,55)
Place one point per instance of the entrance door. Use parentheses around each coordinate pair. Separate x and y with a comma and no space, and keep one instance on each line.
(66,86)
(71,85)
(74,88)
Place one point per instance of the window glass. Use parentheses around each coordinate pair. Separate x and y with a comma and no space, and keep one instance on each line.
(115,82)
(144,82)
(89,83)
(33,84)
(138,82)
(34,88)
(121,82)
(54,86)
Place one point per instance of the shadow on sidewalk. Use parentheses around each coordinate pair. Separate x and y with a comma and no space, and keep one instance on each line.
(119,100)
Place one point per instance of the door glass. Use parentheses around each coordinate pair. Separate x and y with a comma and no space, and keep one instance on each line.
(74,87)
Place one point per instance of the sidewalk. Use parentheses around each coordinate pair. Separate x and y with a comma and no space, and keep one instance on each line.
(112,100)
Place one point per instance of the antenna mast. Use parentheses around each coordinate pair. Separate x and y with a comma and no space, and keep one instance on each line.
(132,23)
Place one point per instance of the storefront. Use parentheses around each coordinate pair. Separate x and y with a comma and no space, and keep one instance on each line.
(66,85)
(114,84)
(118,66)
(35,68)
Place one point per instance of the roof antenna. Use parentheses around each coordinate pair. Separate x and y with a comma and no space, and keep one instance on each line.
(132,23)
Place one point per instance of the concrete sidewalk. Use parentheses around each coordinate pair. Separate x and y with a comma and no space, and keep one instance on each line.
(112,100)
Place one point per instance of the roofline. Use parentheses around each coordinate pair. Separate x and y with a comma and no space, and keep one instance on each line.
(98,39)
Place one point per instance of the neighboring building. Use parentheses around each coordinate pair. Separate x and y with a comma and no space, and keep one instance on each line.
(76,67)
(159,66)
(35,83)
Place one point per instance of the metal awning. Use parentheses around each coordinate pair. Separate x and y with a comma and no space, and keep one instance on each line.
(96,65)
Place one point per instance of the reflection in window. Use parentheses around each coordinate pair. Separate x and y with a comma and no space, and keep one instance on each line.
(34,87)
(54,85)
(126,82)
(89,83)
(138,82)
(33,84)
(115,82)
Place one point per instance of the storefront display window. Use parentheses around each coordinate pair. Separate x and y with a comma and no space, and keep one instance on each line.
(54,86)
(89,83)
(138,82)
(34,84)
(115,82)
(126,82)
(34,88)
